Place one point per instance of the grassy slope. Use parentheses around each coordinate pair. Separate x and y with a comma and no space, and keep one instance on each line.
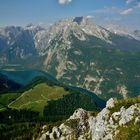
(37,97)
(7,98)
(126,103)
(41,93)
(129,132)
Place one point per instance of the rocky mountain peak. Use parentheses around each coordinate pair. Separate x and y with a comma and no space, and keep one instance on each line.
(78,20)
(85,24)
(117,29)
(83,20)
(10,30)
(80,27)
(106,125)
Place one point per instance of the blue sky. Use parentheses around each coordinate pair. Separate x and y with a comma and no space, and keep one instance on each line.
(23,12)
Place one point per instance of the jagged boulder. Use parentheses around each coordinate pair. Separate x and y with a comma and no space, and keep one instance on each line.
(127,115)
(111,103)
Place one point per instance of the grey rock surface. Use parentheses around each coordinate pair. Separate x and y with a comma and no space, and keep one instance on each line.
(104,126)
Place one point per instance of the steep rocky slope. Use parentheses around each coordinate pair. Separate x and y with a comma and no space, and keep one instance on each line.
(77,52)
(118,120)
(98,59)
(17,44)
(93,55)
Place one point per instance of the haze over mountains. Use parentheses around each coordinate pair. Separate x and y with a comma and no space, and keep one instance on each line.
(100,60)
(34,40)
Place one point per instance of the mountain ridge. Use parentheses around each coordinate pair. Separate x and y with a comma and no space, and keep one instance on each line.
(78,46)
(118,120)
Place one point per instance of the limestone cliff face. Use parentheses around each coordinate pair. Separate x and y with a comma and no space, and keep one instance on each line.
(107,125)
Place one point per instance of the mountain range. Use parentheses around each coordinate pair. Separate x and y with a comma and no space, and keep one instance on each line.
(47,73)
(100,60)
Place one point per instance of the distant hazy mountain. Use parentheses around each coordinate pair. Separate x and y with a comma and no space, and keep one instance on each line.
(77,52)
(137,34)
(121,30)
(118,29)
(17,44)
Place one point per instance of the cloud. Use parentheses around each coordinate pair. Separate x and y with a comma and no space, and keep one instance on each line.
(133,5)
(129,1)
(90,16)
(106,10)
(127,11)
(132,8)
(63,2)
(138,5)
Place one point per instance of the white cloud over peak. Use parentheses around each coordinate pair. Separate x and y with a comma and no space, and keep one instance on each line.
(129,1)
(107,10)
(133,3)
(63,2)
(132,8)
(127,11)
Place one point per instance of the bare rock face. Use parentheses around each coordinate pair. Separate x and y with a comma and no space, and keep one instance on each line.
(82,125)
(106,124)
(127,115)
(110,103)
(77,126)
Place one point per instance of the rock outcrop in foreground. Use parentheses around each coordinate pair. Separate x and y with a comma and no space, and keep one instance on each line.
(118,120)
